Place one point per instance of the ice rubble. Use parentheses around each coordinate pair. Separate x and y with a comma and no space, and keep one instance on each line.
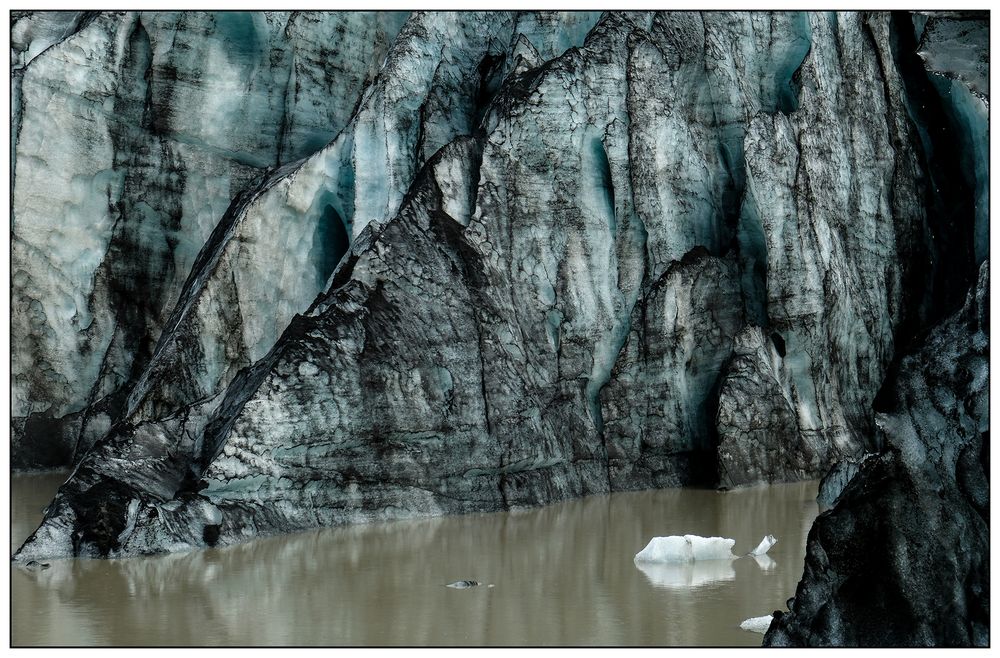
(691,561)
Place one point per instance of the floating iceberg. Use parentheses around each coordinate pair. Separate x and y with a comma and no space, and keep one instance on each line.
(691,548)
(764,546)
(757,624)
(686,548)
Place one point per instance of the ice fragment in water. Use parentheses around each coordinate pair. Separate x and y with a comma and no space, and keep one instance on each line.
(757,624)
(764,546)
(687,548)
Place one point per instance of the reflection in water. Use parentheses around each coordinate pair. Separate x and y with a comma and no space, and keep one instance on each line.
(681,575)
(30,495)
(564,575)
(765,562)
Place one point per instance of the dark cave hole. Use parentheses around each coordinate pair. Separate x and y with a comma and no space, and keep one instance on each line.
(211,534)
(605,182)
(490,71)
(332,241)
(779,344)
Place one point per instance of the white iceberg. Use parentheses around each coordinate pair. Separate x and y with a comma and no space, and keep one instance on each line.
(757,624)
(692,548)
(764,546)
(686,548)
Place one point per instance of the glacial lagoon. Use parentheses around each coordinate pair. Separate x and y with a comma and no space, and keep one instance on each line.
(563,575)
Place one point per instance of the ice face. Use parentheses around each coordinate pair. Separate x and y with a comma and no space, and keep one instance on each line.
(506,266)
(814,416)
(140,147)
(955,44)
(929,485)
(32,33)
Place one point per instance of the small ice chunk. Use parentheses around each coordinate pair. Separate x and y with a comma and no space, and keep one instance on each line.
(686,548)
(757,624)
(764,546)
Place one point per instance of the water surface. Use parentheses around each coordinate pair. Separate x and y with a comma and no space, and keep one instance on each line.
(563,575)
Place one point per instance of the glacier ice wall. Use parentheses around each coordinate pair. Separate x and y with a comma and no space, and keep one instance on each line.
(902,558)
(534,256)
(133,132)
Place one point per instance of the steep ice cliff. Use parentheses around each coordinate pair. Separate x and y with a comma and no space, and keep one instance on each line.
(132,134)
(903,557)
(313,269)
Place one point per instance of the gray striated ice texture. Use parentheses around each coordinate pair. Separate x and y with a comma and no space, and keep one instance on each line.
(280,270)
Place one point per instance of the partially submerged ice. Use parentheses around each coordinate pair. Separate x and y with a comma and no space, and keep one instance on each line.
(693,548)
(757,624)
(764,546)
(686,548)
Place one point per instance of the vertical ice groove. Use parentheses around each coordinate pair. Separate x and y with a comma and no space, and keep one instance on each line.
(515,258)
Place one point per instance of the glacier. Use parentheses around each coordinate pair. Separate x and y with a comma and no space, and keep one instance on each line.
(918,511)
(278,270)
(149,144)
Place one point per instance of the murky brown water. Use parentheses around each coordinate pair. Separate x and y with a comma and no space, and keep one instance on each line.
(564,575)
